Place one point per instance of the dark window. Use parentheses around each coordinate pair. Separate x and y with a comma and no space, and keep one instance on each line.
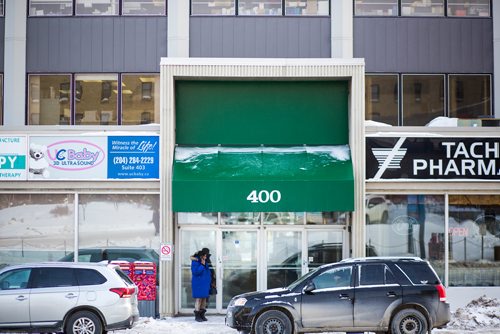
(53,277)
(372,274)
(419,273)
(89,277)
(382,98)
(334,278)
(123,276)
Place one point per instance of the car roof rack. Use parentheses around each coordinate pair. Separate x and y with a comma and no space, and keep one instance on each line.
(382,258)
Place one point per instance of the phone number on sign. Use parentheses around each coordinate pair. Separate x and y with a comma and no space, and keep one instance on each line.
(134,160)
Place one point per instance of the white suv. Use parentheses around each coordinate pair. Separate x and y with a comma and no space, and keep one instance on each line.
(73,298)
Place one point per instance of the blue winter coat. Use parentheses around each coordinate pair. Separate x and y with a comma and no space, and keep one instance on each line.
(200,279)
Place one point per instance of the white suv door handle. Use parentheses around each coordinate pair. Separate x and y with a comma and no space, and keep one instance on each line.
(21,298)
(71,295)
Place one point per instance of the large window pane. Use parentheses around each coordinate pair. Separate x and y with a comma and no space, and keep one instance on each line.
(143,7)
(423,99)
(48,8)
(210,7)
(97,7)
(49,99)
(470,96)
(307,7)
(118,220)
(140,99)
(469,8)
(376,7)
(259,7)
(381,98)
(474,237)
(283,218)
(406,225)
(35,227)
(284,258)
(422,8)
(95,99)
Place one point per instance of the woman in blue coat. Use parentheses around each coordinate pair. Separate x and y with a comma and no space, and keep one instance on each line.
(200,284)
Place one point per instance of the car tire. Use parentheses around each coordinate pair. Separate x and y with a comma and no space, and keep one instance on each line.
(409,321)
(385,217)
(83,322)
(273,322)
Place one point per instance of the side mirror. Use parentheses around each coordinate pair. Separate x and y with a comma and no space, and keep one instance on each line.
(309,288)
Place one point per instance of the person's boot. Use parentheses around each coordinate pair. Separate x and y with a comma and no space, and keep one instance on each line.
(197,316)
(202,314)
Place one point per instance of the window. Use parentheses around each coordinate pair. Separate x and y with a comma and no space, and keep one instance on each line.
(96,99)
(422,8)
(49,99)
(144,7)
(470,96)
(53,277)
(15,279)
(375,274)
(307,7)
(97,7)
(376,7)
(474,238)
(140,99)
(89,277)
(469,8)
(423,99)
(334,278)
(260,7)
(418,273)
(381,101)
(50,8)
(253,7)
(210,7)
(326,218)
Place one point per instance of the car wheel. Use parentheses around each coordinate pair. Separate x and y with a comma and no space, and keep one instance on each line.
(273,322)
(84,322)
(385,217)
(409,321)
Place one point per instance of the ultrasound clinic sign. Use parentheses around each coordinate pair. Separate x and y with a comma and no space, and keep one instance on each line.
(418,158)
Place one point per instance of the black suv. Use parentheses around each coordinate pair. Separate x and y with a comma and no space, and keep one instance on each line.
(376,294)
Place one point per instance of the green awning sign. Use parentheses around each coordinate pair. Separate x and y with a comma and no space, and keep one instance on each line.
(253,179)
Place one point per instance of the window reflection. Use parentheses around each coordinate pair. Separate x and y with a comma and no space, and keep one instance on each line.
(283,218)
(376,7)
(96,99)
(259,7)
(140,99)
(240,218)
(470,96)
(97,7)
(307,7)
(35,227)
(423,99)
(326,218)
(143,7)
(49,8)
(406,225)
(209,7)
(469,8)
(49,100)
(474,238)
(381,98)
(204,218)
(422,8)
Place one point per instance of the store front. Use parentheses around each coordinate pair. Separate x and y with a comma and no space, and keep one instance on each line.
(262,170)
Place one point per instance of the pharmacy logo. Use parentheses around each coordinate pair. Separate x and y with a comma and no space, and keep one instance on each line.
(389,158)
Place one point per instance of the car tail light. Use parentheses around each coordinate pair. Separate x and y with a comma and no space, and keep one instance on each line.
(123,292)
(442,292)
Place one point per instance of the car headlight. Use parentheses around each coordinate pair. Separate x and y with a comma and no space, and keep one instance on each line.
(240,302)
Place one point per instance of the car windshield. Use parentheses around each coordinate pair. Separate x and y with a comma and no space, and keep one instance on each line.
(301,279)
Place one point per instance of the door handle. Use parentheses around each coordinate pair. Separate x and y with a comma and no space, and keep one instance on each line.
(21,298)
(344,296)
(71,296)
(391,294)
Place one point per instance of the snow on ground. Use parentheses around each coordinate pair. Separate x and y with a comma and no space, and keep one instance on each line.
(481,315)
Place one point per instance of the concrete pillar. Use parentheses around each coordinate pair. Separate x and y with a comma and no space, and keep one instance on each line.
(496,59)
(178,29)
(15,63)
(342,26)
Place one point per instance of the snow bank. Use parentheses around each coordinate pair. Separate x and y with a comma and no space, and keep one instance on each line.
(478,314)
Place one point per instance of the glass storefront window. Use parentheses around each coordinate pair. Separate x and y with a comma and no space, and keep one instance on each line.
(49,100)
(35,227)
(376,8)
(324,247)
(474,240)
(97,7)
(283,218)
(422,8)
(259,7)
(140,99)
(96,99)
(381,98)
(469,8)
(151,7)
(210,7)
(406,225)
(203,218)
(423,99)
(470,96)
(326,218)
(240,218)
(50,8)
(307,7)
(284,258)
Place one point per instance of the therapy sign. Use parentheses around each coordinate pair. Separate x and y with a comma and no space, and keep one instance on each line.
(12,158)
(432,158)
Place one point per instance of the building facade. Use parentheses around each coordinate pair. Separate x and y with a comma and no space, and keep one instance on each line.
(154,124)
